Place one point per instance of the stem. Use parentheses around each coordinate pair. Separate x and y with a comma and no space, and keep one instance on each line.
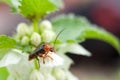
(36,64)
(35,25)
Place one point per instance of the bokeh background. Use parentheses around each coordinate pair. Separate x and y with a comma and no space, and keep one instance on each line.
(104,64)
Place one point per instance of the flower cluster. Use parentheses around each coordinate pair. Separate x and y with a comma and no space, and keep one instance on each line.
(20,68)
(26,35)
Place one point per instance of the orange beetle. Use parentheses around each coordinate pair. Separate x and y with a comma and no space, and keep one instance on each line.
(42,51)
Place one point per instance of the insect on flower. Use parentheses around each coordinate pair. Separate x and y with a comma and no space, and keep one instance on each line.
(43,50)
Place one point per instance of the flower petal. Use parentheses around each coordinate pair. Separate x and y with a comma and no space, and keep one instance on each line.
(67,61)
(57,60)
(11,58)
(36,75)
(74,48)
(10,77)
(49,76)
(78,49)
(59,74)
(22,69)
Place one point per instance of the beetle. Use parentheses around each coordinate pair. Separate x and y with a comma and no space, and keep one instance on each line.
(43,50)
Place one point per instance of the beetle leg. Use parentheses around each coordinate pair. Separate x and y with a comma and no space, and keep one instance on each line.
(46,53)
(44,60)
(44,56)
(49,57)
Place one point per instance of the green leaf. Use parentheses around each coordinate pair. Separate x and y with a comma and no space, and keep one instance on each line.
(98,33)
(78,29)
(3,73)
(72,25)
(6,42)
(35,9)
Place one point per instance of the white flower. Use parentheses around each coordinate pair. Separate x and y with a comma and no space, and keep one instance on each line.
(17,64)
(60,74)
(23,29)
(36,75)
(35,39)
(57,60)
(49,76)
(11,77)
(63,74)
(47,36)
(25,40)
(67,61)
(20,68)
(74,48)
(45,25)
(17,38)
(12,57)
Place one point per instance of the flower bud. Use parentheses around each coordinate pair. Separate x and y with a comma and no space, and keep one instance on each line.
(17,38)
(25,40)
(35,39)
(47,36)
(36,75)
(23,29)
(59,74)
(45,25)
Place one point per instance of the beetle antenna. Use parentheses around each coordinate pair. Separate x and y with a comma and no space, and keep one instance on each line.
(58,36)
